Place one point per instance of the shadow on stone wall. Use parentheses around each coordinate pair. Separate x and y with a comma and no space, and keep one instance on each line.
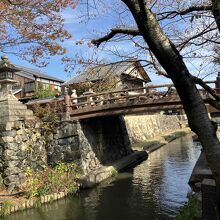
(102,140)
(107,137)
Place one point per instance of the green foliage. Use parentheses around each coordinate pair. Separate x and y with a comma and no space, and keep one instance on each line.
(52,180)
(189,211)
(42,92)
(5,208)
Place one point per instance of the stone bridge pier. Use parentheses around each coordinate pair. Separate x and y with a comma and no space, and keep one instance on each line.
(103,140)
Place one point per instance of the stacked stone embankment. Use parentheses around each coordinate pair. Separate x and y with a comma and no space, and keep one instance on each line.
(149,132)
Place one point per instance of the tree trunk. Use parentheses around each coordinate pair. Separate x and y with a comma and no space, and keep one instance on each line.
(216,11)
(170,59)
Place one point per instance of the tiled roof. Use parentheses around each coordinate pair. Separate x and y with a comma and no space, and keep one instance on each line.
(32,73)
(26,72)
(103,71)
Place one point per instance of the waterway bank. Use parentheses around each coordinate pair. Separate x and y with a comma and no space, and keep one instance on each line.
(99,175)
(141,152)
(155,189)
(156,142)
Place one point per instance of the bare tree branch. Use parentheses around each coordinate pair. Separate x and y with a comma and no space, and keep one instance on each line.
(211,91)
(205,31)
(113,32)
(172,14)
(213,103)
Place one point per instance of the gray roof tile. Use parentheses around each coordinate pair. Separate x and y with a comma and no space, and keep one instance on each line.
(32,73)
(101,71)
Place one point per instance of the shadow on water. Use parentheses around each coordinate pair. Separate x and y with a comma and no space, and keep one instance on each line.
(155,189)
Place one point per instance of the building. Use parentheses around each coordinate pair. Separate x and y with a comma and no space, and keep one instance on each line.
(110,77)
(28,80)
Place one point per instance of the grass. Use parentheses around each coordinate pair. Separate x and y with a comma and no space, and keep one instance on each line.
(190,210)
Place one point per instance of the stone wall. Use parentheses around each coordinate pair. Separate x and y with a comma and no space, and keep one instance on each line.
(144,127)
(21,147)
(31,143)
(68,143)
(90,143)
(62,143)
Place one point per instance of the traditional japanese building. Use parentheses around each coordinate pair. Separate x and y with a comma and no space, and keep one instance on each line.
(110,77)
(28,80)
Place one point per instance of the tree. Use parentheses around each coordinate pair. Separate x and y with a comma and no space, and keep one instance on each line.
(33,30)
(216,11)
(169,57)
(45,92)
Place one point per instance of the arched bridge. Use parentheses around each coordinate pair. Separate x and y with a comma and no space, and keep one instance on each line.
(150,99)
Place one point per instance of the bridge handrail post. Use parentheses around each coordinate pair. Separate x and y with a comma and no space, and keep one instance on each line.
(67,101)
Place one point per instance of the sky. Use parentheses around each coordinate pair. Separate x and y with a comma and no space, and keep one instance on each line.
(88,29)
(79,30)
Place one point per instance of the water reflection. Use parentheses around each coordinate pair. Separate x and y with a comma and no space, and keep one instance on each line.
(153,190)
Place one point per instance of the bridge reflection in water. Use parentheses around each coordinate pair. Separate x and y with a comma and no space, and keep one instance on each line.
(155,189)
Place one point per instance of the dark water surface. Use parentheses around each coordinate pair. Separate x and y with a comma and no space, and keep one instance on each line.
(155,189)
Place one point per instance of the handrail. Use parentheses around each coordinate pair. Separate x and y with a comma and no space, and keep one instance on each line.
(122,98)
(124,90)
(115,97)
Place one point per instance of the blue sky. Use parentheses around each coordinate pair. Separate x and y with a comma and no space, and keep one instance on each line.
(79,30)
(88,29)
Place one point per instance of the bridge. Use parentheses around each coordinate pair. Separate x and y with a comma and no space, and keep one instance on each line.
(149,99)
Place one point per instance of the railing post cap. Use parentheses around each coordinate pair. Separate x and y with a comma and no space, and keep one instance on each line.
(209,182)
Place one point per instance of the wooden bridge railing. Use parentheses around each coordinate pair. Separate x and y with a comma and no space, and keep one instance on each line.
(118,96)
(114,97)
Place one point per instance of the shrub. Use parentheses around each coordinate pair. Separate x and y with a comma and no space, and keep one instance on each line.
(62,178)
(49,115)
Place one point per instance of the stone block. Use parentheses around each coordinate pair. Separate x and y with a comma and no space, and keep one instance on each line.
(11,146)
(18,125)
(31,203)
(9,125)
(16,208)
(11,133)
(38,134)
(12,179)
(27,204)
(20,132)
(63,141)
(18,139)
(55,196)
(33,137)
(67,130)
(8,154)
(11,167)
(8,139)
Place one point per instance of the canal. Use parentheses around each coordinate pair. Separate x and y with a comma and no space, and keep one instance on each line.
(155,189)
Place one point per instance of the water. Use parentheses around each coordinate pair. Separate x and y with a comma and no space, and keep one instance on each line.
(155,189)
